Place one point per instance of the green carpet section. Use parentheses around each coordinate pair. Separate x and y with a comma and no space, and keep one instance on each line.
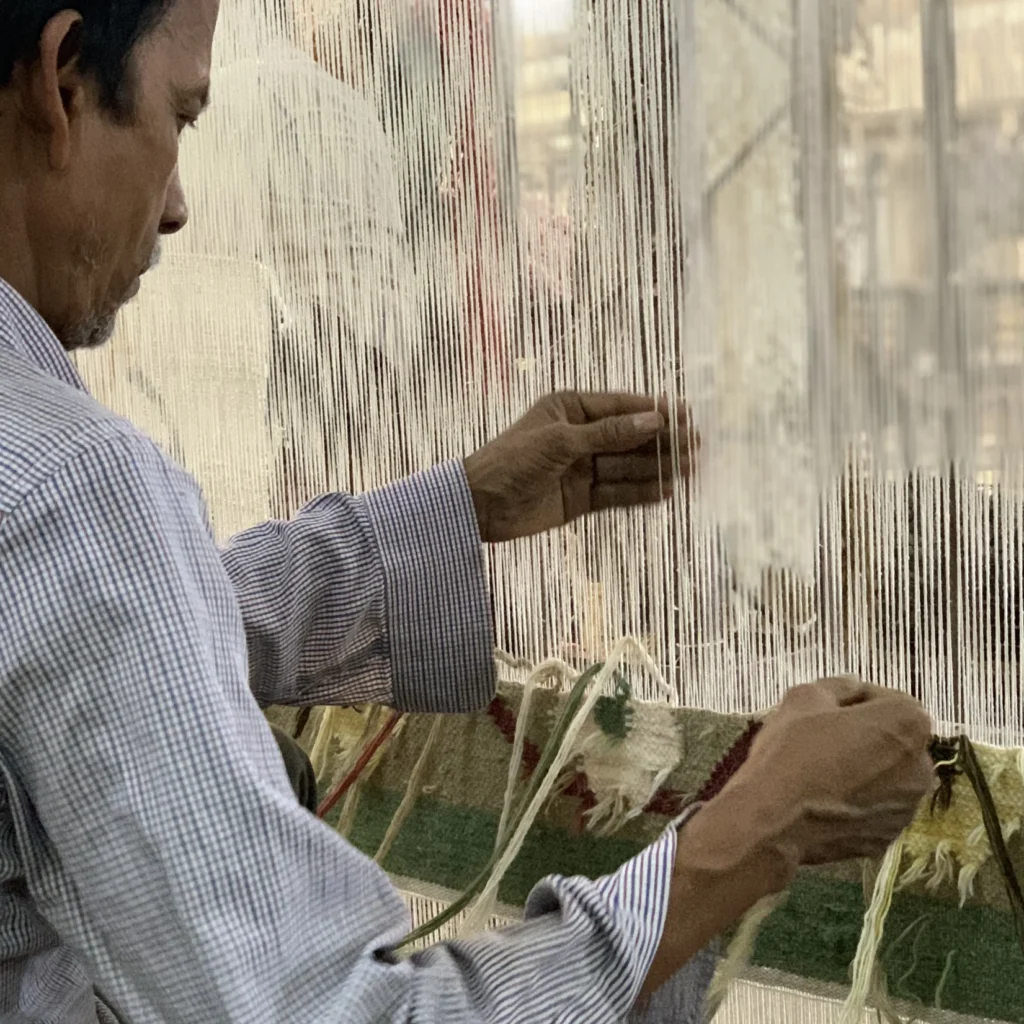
(449,846)
(814,935)
(935,953)
(969,958)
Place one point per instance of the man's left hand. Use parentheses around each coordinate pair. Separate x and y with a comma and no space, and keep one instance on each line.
(573,454)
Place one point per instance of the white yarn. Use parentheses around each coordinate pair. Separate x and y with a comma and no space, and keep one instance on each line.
(391,232)
(481,912)
(597,688)
(737,958)
(516,761)
(865,962)
(412,791)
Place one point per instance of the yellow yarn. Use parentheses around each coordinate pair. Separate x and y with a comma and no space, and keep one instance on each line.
(951,845)
(412,791)
(342,736)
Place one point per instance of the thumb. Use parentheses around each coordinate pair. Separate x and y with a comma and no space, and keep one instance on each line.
(617,433)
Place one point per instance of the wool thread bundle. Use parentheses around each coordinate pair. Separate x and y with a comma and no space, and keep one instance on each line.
(340,737)
(411,793)
(515,764)
(350,787)
(864,964)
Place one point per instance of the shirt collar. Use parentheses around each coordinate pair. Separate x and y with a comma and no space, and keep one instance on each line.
(24,331)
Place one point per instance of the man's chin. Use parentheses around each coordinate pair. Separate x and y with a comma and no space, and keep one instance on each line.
(91,333)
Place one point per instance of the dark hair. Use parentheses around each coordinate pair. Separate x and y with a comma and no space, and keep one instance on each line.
(108,34)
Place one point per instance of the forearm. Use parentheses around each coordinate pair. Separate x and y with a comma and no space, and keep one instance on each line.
(726,861)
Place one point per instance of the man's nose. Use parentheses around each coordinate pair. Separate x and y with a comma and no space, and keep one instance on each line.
(175,215)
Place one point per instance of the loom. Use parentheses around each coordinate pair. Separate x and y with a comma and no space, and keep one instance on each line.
(410,218)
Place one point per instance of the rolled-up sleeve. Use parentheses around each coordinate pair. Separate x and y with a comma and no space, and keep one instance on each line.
(373,598)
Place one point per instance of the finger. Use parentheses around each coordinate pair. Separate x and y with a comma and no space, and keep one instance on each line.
(867,835)
(689,438)
(679,461)
(642,466)
(628,495)
(664,444)
(681,413)
(668,407)
(871,846)
(615,434)
(600,405)
(596,406)
(849,691)
(913,718)
(923,779)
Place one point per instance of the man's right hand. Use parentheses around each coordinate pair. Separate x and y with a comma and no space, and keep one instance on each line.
(838,771)
(842,767)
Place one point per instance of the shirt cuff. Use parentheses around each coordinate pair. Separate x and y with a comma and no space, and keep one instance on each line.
(439,628)
(627,909)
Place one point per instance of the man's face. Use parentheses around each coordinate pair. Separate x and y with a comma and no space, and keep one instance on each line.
(119,190)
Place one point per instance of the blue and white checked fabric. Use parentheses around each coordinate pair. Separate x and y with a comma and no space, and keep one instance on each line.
(154,864)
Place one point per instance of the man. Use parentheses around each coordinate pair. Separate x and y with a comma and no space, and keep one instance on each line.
(155,864)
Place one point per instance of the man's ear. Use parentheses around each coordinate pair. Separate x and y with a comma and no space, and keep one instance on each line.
(55,90)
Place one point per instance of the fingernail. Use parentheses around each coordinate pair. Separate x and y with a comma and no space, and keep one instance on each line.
(648,422)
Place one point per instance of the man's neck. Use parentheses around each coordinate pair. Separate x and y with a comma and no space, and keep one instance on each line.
(17,262)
